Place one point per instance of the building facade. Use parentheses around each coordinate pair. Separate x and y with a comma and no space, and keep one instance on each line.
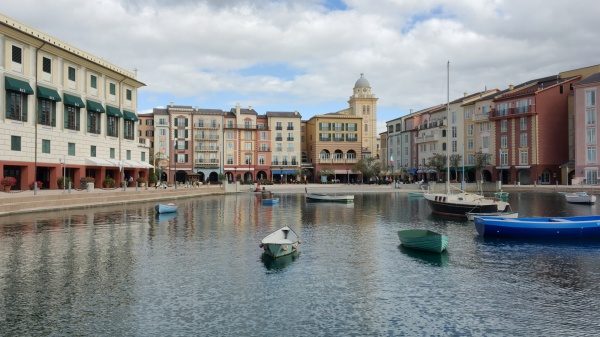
(68,115)
(586,123)
(286,151)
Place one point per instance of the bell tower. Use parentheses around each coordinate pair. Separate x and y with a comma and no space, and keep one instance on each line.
(363,103)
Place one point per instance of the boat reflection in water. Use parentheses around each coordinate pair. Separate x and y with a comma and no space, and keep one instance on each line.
(276,264)
(165,217)
(434,259)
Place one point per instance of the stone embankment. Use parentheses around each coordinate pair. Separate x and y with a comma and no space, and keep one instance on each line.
(27,201)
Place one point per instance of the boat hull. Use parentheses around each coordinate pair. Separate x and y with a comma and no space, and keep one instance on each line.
(580,198)
(165,208)
(511,215)
(278,250)
(459,210)
(329,198)
(424,240)
(579,227)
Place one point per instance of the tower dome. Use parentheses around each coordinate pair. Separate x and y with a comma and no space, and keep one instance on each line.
(362,82)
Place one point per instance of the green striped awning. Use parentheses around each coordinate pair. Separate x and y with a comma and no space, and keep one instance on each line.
(47,93)
(94,106)
(130,116)
(73,101)
(17,85)
(112,111)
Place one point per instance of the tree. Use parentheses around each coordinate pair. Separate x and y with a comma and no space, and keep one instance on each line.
(438,162)
(368,167)
(455,160)
(481,160)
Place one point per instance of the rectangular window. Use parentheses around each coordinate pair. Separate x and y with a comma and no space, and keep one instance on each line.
(523,123)
(453,117)
(47,114)
(45,146)
(229,159)
(470,129)
(470,144)
(93,81)
(454,146)
(590,116)
(72,118)
(128,95)
(93,122)
(504,142)
(128,129)
(46,65)
(485,142)
(502,109)
(111,126)
(503,158)
(290,126)
(591,136)
(71,74)
(93,151)
(15,143)
(112,153)
(454,133)
(181,158)
(591,154)
(112,88)
(71,149)
(523,158)
(591,176)
(470,159)
(16,106)
(261,160)
(17,55)
(143,156)
(128,155)
(590,98)
(523,139)
(503,125)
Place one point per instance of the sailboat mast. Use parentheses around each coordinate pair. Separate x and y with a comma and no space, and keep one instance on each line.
(448,128)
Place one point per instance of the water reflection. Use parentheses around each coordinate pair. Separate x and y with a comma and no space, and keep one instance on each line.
(277,264)
(165,218)
(434,259)
(118,270)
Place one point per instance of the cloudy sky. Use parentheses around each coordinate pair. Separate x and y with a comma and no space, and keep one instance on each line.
(305,55)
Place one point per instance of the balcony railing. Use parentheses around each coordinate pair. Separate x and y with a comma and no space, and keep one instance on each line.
(290,139)
(207,137)
(245,126)
(290,128)
(206,148)
(278,139)
(278,127)
(495,113)
(207,125)
(264,149)
(206,162)
(330,160)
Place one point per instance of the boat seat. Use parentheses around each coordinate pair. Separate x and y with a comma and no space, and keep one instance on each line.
(559,220)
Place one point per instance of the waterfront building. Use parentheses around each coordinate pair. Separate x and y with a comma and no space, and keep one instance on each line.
(531,130)
(586,123)
(181,163)
(207,139)
(334,146)
(392,150)
(161,150)
(68,113)
(386,163)
(286,150)
(240,130)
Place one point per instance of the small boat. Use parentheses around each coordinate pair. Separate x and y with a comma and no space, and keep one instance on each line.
(270,201)
(458,205)
(507,214)
(281,242)
(574,227)
(165,208)
(423,239)
(580,198)
(329,197)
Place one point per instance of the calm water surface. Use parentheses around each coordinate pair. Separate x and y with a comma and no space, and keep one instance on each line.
(119,271)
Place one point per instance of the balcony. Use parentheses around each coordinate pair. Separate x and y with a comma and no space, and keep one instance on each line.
(433,124)
(290,139)
(512,112)
(278,139)
(264,149)
(244,127)
(207,137)
(332,160)
(290,128)
(428,136)
(206,162)
(480,117)
(278,127)
(200,148)
(209,126)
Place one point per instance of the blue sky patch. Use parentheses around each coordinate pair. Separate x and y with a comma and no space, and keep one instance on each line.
(335,5)
(435,12)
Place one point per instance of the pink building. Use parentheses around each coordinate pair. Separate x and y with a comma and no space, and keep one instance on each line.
(586,125)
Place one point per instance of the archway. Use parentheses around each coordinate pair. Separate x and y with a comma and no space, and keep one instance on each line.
(524,177)
(213,177)
(229,176)
(338,154)
(261,175)
(487,175)
(181,176)
(570,177)
(248,177)
(324,154)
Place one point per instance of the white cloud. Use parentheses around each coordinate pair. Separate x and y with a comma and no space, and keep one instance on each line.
(199,48)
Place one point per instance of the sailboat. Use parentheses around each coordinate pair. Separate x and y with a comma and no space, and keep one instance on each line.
(461,203)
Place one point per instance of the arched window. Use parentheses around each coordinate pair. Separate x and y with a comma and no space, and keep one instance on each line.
(351,154)
(338,154)
(324,154)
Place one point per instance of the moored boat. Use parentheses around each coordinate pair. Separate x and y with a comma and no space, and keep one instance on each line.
(574,227)
(580,198)
(459,204)
(270,201)
(283,241)
(165,208)
(423,239)
(509,214)
(330,197)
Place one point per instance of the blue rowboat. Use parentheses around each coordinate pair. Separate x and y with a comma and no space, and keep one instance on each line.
(270,201)
(423,239)
(165,208)
(574,227)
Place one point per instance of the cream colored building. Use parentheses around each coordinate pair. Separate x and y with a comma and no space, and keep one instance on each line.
(66,112)
(286,150)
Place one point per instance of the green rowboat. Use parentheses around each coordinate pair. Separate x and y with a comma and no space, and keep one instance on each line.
(423,239)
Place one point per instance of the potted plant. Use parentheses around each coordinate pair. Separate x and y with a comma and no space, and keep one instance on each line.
(109,182)
(8,182)
(63,182)
(152,179)
(38,183)
(141,181)
(87,183)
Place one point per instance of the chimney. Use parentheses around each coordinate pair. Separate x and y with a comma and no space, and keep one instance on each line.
(171,103)
(250,107)
(237,108)
(511,87)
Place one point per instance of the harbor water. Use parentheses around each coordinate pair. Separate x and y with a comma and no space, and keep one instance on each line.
(122,271)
